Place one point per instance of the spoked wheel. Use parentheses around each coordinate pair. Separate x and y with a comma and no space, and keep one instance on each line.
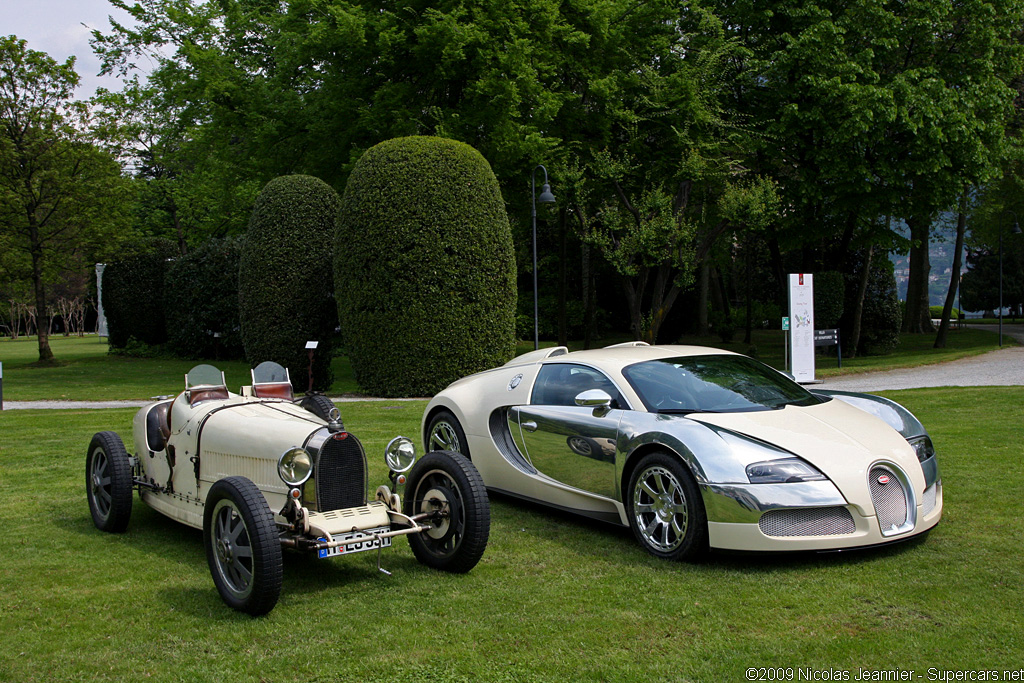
(108,482)
(448,486)
(446,434)
(242,546)
(665,509)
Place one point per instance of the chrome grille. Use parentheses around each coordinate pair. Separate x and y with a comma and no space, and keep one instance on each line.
(929,499)
(832,521)
(890,499)
(340,473)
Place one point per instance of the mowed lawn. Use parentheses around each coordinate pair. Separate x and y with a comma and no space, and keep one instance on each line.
(555,598)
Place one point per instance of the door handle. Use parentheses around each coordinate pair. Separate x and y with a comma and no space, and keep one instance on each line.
(530,426)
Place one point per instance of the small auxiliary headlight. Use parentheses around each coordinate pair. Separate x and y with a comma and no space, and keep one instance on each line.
(400,454)
(923,447)
(295,466)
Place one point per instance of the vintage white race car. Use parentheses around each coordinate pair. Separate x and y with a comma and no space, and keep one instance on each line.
(259,471)
(693,448)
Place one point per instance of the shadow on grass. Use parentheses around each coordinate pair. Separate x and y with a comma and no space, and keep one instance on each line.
(610,542)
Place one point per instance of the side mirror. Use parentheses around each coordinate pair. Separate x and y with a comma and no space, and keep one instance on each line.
(597,399)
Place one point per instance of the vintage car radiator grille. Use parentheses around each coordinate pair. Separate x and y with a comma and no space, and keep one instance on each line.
(929,499)
(832,521)
(340,473)
(890,498)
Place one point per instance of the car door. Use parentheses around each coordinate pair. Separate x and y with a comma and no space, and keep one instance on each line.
(572,444)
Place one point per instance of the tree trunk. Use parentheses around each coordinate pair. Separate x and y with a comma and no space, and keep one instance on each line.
(858,306)
(43,322)
(916,318)
(702,300)
(563,331)
(954,276)
(589,296)
(747,335)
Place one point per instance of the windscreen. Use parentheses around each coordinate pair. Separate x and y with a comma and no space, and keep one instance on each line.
(715,384)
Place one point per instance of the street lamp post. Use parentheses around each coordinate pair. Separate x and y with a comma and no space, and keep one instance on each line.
(545,198)
(1015,231)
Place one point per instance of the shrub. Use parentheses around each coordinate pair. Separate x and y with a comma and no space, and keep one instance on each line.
(936,312)
(424,267)
(828,299)
(201,295)
(133,300)
(882,315)
(284,278)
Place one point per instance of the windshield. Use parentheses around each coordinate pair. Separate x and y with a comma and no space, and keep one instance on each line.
(715,384)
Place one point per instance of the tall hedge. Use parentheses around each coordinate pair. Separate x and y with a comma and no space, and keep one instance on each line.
(133,299)
(284,279)
(424,267)
(880,321)
(201,301)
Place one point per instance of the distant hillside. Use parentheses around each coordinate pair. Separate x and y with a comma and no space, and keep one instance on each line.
(940,256)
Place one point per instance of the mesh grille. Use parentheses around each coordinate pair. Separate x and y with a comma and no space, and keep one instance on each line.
(341,473)
(890,499)
(929,500)
(832,521)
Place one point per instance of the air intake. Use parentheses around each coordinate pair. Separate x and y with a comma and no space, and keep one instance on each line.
(340,473)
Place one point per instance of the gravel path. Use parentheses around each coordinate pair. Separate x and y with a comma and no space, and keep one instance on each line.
(1004,367)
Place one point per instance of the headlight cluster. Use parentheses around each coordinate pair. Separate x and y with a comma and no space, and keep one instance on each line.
(923,447)
(783,471)
(295,466)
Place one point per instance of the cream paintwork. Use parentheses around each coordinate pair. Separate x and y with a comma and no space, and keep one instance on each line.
(246,442)
(824,435)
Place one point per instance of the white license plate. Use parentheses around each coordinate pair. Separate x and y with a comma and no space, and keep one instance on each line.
(368,543)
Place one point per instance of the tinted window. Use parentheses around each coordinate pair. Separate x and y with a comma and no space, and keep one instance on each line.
(558,384)
(713,384)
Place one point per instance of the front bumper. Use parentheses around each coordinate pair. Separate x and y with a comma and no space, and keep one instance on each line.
(805,516)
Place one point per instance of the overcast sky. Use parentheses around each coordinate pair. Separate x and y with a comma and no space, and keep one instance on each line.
(56,28)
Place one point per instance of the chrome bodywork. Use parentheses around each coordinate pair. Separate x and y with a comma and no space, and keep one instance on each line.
(580,457)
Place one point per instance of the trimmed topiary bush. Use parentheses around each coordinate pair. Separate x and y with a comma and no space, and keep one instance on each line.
(201,295)
(284,280)
(883,313)
(133,300)
(424,267)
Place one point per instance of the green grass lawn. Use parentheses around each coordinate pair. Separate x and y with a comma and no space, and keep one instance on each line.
(555,597)
(88,373)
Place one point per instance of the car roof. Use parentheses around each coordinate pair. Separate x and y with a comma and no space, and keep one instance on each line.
(617,356)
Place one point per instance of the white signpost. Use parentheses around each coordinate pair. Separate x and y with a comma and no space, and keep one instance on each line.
(801,335)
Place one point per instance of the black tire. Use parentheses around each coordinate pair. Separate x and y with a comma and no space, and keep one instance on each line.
(108,482)
(666,512)
(448,481)
(242,546)
(319,405)
(446,434)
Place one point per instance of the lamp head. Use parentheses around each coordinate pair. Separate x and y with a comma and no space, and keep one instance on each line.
(547,198)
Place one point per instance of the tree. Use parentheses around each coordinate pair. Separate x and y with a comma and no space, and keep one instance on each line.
(59,193)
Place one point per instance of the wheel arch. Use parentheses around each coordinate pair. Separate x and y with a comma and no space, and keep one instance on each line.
(676,451)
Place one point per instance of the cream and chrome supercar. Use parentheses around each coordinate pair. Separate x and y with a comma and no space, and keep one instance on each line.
(693,448)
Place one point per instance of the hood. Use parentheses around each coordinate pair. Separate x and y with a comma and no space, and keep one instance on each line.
(840,440)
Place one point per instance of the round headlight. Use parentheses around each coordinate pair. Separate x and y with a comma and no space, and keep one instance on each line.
(294,466)
(400,454)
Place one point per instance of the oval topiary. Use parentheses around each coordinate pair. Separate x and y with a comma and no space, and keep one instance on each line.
(424,267)
(284,279)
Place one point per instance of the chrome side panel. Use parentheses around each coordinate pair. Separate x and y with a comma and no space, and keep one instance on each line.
(573,445)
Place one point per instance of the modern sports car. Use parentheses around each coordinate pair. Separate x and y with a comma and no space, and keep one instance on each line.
(693,448)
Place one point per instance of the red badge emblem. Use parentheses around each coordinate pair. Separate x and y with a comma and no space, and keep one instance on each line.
(883,479)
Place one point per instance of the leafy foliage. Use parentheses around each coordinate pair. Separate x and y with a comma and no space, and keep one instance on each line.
(284,278)
(828,299)
(201,295)
(133,295)
(424,268)
(882,315)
